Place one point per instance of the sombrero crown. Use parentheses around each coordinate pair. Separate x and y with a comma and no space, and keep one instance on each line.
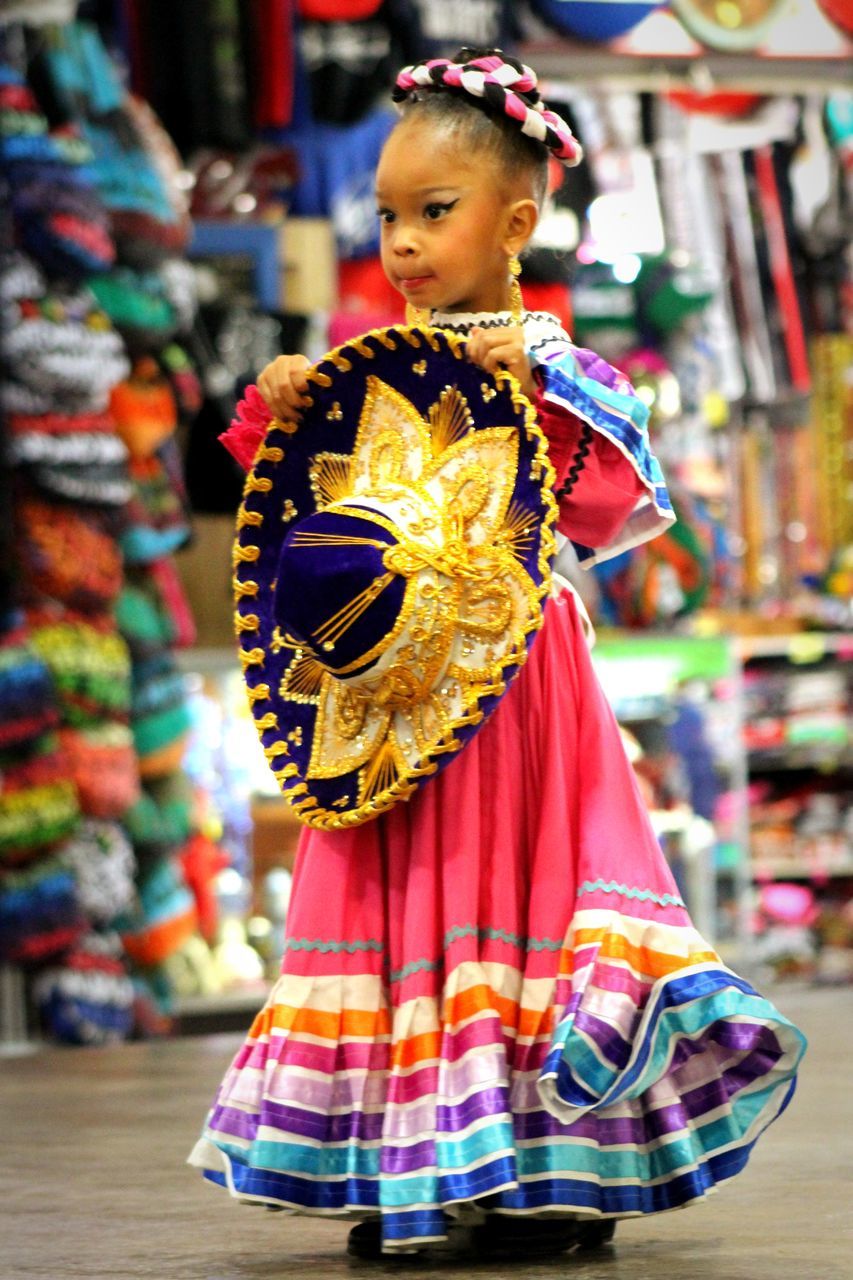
(392,555)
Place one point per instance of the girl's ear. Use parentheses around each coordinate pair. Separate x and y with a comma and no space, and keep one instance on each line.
(521,220)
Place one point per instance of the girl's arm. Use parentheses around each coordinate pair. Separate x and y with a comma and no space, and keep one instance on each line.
(279,393)
(612,491)
(598,486)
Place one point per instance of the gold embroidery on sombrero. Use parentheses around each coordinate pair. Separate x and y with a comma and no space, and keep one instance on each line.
(303,678)
(330,475)
(340,622)
(449,419)
(469,530)
(518,530)
(436,474)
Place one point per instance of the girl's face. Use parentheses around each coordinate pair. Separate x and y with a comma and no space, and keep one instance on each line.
(446,222)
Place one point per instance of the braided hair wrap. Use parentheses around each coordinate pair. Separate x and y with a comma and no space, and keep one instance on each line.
(502,83)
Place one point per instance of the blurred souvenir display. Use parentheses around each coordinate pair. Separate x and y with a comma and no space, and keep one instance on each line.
(94,713)
(188,191)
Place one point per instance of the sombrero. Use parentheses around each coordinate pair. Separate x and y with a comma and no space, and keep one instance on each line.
(393,553)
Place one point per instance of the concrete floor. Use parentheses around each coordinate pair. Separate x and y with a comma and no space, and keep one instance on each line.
(93,1181)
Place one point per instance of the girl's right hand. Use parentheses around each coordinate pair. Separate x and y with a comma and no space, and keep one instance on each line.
(283,385)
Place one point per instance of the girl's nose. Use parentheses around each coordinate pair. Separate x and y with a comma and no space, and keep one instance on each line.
(404,241)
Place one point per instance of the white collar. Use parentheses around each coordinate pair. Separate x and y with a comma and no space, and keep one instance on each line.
(540,327)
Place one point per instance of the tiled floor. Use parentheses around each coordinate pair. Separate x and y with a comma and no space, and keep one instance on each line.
(93,1184)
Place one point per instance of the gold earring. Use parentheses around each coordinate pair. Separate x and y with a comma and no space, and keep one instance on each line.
(516,301)
(417,315)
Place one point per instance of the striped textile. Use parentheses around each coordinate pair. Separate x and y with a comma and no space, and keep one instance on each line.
(634,1082)
(493,997)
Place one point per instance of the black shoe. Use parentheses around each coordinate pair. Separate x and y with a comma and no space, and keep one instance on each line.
(596,1233)
(365,1239)
(510,1237)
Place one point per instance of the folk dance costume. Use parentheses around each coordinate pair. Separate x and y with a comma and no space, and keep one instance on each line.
(492,994)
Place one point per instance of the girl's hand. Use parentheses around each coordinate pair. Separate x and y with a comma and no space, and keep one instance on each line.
(496,349)
(283,385)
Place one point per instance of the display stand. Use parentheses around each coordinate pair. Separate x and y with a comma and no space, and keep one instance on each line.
(14,1036)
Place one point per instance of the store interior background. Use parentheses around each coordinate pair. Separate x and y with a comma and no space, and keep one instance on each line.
(187,193)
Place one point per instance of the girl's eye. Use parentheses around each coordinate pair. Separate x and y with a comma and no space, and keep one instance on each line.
(385,215)
(434,211)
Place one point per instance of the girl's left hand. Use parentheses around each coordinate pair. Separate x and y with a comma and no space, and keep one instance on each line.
(496,349)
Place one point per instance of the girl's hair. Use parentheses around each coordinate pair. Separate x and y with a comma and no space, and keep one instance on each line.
(490,103)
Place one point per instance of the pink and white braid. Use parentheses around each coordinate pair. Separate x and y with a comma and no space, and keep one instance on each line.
(499,81)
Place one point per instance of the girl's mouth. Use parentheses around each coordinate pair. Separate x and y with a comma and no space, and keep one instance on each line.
(413,283)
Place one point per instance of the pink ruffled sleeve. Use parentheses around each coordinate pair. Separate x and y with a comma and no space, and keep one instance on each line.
(605,487)
(248,428)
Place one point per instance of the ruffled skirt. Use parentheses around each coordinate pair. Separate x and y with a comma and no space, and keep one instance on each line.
(493,996)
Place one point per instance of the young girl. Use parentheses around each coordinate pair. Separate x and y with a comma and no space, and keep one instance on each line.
(495,1021)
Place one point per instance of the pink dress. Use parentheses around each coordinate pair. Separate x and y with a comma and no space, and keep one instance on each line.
(493,995)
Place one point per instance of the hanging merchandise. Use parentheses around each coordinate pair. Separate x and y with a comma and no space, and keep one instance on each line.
(694,233)
(271,55)
(447,25)
(840,12)
(733,26)
(147,218)
(595,19)
(337,10)
(68,554)
(28,705)
(159,822)
(208,66)
(624,218)
(40,916)
(733,195)
(349,63)
(57,214)
(138,305)
(201,861)
(142,620)
(8,566)
(160,716)
(156,519)
(103,766)
(165,917)
(654,585)
(38,804)
(167,587)
(101,858)
(832,435)
(668,289)
(722,102)
(87,997)
(788,304)
(148,242)
(77,457)
(144,409)
(90,665)
(61,354)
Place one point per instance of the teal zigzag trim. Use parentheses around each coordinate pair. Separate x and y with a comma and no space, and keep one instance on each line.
(642,895)
(459,931)
(483,935)
(416,966)
(321,944)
